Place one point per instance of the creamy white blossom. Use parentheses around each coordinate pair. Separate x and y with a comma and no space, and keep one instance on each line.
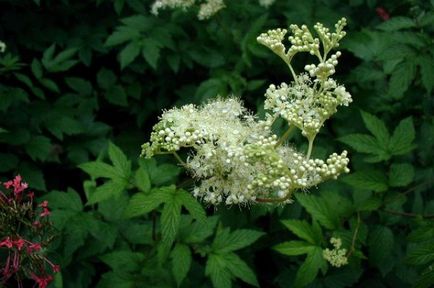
(2,47)
(234,156)
(207,8)
(336,256)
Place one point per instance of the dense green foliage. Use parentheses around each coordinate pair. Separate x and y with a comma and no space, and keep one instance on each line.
(78,76)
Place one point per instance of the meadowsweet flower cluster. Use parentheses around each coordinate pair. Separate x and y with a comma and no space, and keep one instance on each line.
(24,233)
(2,47)
(337,256)
(206,8)
(235,157)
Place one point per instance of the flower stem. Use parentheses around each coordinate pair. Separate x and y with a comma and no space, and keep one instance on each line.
(274,200)
(284,136)
(309,149)
(356,232)
(179,159)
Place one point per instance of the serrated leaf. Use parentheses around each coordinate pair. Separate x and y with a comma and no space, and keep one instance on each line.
(199,231)
(397,23)
(107,190)
(37,69)
(227,241)
(129,53)
(374,180)
(377,128)
(116,95)
(319,210)
(192,205)
(141,203)
(426,64)
(240,269)
(400,175)
(106,78)
(100,170)
(294,248)
(401,79)
(364,144)
(69,200)
(170,218)
(302,229)
(123,261)
(181,262)
(310,267)
(79,85)
(421,254)
(381,242)
(403,137)
(216,269)
(38,148)
(151,52)
(120,160)
(142,180)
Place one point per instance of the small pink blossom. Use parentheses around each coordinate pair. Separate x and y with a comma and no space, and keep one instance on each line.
(7,243)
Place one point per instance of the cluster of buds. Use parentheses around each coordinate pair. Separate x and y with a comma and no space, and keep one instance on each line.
(24,233)
(337,256)
(206,8)
(235,157)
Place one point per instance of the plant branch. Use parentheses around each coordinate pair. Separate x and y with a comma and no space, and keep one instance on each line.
(407,214)
(274,200)
(182,162)
(284,136)
(353,241)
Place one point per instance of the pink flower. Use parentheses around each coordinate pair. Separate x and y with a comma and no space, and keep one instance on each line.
(17,185)
(56,268)
(7,242)
(44,204)
(19,243)
(34,247)
(42,281)
(382,13)
(45,213)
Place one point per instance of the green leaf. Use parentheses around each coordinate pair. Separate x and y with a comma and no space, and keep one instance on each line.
(129,53)
(374,180)
(120,160)
(199,231)
(310,267)
(151,52)
(226,241)
(181,262)
(106,78)
(69,200)
(216,269)
(170,218)
(240,269)
(142,180)
(99,170)
(59,63)
(377,128)
(141,203)
(37,69)
(319,210)
(302,229)
(364,144)
(38,147)
(32,175)
(116,95)
(107,190)
(426,280)
(403,137)
(123,261)
(422,254)
(381,242)
(9,162)
(400,175)
(401,79)
(79,85)
(190,203)
(397,23)
(294,248)
(426,64)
